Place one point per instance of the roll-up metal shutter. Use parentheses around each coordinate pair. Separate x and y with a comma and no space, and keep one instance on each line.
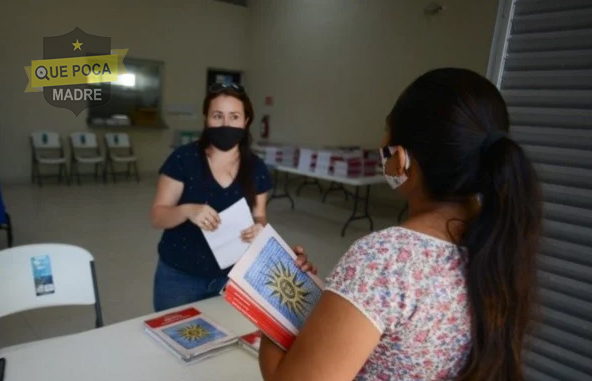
(542,62)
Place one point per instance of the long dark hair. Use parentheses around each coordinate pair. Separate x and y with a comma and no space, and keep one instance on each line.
(446,119)
(245,170)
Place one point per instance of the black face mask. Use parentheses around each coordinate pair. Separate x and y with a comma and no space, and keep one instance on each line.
(224,137)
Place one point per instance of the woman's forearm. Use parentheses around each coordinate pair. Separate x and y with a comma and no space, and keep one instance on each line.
(270,357)
(167,217)
(260,220)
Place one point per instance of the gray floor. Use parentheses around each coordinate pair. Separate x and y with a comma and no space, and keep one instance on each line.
(111,221)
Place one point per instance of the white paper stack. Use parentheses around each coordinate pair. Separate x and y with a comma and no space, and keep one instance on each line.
(288,156)
(307,159)
(355,167)
(278,154)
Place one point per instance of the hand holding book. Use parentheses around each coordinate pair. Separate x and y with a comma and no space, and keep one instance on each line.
(302,260)
(274,286)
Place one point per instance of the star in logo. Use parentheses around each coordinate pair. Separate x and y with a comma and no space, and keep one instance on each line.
(77,45)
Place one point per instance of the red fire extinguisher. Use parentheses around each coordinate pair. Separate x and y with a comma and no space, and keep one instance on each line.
(265,127)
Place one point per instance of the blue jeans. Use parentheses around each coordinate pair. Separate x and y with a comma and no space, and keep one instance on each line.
(173,288)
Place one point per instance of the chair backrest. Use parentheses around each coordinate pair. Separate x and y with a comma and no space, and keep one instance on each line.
(46,140)
(46,275)
(117,140)
(84,140)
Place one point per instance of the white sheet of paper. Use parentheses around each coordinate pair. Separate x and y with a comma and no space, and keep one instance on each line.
(225,241)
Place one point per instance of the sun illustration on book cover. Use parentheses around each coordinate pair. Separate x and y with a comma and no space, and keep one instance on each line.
(287,289)
(193,332)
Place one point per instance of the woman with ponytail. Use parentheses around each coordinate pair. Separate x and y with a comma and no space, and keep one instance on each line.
(449,294)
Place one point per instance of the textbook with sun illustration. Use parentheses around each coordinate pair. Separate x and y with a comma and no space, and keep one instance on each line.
(190,335)
(268,288)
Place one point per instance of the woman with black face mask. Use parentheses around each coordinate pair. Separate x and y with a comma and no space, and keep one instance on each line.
(197,181)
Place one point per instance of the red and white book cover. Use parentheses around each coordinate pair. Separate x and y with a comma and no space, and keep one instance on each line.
(189,334)
(251,342)
(267,286)
(259,317)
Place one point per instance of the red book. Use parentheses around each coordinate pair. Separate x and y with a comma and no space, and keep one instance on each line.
(257,315)
(268,288)
(189,334)
(251,342)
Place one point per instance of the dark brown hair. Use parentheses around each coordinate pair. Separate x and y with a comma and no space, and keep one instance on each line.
(245,171)
(446,119)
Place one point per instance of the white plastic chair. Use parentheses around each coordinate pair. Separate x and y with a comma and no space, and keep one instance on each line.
(84,149)
(47,149)
(73,277)
(120,150)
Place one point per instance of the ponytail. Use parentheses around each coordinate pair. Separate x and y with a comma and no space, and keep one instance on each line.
(502,246)
(446,119)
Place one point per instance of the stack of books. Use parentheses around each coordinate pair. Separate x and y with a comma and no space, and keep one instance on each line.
(268,288)
(325,160)
(251,342)
(307,159)
(362,163)
(277,154)
(190,335)
(328,157)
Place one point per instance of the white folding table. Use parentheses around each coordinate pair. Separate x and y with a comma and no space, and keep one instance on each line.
(123,351)
(355,182)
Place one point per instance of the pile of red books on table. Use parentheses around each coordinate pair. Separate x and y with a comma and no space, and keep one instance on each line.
(277,154)
(190,335)
(307,159)
(364,164)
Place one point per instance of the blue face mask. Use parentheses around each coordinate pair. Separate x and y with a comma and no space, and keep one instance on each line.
(393,181)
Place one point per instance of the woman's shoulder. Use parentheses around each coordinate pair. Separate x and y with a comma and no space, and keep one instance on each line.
(389,237)
(256,158)
(181,160)
(401,235)
(396,243)
(187,148)
(258,162)
(185,153)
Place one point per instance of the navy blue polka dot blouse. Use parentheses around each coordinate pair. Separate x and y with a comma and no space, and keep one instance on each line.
(184,247)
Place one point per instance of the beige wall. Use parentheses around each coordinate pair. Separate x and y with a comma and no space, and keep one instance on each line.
(336,67)
(189,35)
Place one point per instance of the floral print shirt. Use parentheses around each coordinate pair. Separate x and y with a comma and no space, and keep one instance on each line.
(413,288)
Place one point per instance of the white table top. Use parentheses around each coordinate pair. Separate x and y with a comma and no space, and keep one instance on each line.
(123,351)
(355,181)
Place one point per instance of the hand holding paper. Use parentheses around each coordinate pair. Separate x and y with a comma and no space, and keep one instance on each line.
(225,241)
(248,235)
(204,216)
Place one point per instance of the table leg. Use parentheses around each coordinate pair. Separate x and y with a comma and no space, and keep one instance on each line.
(333,187)
(307,182)
(354,216)
(285,194)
